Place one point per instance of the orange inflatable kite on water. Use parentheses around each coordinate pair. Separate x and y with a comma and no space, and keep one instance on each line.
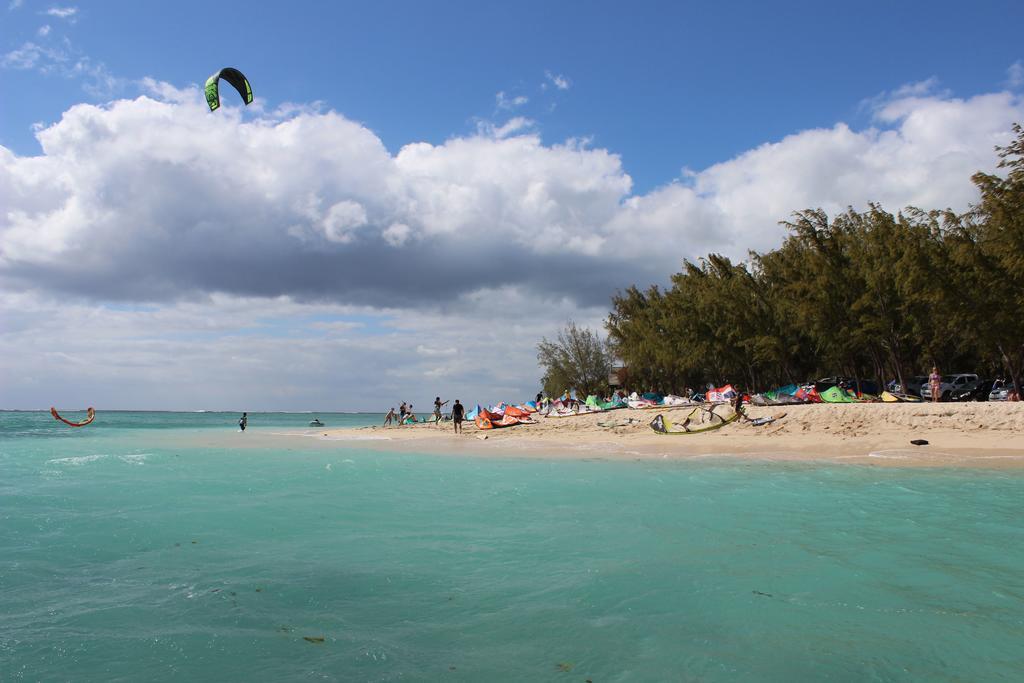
(91,415)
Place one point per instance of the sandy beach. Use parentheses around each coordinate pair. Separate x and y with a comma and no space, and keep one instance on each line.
(988,435)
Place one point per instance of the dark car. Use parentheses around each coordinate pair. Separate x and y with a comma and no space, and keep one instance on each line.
(914,385)
(973,391)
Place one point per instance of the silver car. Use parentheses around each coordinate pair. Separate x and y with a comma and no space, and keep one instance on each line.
(1000,390)
(948,385)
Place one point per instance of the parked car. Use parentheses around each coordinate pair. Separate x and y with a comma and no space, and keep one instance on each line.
(973,391)
(914,385)
(952,384)
(1001,390)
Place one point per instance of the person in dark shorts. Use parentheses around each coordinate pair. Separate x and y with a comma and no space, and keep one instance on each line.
(242,423)
(457,412)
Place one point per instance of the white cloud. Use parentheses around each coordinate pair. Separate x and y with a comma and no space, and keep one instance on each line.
(43,31)
(68,13)
(337,326)
(396,234)
(906,96)
(15,4)
(96,78)
(434,352)
(28,56)
(559,81)
(166,92)
(925,160)
(516,124)
(225,352)
(65,62)
(928,86)
(342,220)
(178,176)
(1015,75)
(216,232)
(506,102)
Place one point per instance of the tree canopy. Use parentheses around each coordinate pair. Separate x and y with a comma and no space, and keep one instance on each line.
(866,294)
(577,359)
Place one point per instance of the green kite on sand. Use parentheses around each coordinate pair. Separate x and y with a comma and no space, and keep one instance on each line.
(837,395)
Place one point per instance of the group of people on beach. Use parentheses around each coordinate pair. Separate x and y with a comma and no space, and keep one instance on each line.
(406,416)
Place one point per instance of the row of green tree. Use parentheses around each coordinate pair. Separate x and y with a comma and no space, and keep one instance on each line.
(865,294)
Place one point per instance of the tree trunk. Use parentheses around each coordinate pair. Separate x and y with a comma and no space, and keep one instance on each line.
(1014,371)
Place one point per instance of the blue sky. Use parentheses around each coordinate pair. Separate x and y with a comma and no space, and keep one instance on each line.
(422,191)
(663,84)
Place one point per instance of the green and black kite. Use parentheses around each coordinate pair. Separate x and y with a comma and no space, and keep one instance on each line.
(232,76)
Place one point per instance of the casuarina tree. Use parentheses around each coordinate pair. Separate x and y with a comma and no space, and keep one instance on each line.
(577,359)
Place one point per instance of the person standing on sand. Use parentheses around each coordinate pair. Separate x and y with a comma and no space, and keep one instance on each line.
(457,412)
(737,405)
(437,409)
(389,417)
(935,382)
(244,422)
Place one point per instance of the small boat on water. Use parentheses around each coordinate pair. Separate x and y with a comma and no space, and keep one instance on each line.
(316,422)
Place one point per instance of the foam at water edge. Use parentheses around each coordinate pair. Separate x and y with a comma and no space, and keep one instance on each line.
(324,437)
(79,460)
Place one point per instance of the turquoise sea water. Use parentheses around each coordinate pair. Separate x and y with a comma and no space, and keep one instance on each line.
(171,547)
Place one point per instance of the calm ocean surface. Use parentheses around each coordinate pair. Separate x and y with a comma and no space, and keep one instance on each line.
(171,547)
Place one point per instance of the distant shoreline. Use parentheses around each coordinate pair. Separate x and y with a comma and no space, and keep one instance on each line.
(976,435)
(199,412)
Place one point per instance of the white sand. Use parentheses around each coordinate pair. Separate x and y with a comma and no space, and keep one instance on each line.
(959,434)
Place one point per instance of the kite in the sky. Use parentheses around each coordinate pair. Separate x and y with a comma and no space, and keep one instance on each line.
(90,416)
(232,76)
